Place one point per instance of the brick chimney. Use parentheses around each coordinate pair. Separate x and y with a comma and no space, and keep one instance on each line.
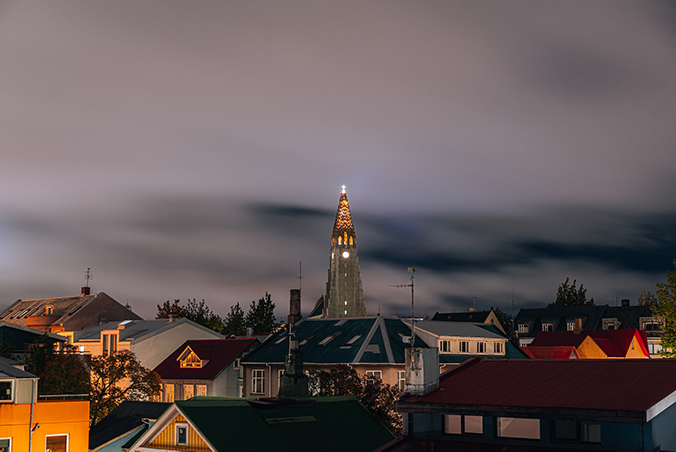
(85,291)
(578,326)
(294,307)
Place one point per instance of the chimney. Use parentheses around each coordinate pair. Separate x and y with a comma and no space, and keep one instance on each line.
(85,291)
(578,326)
(171,318)
(293,384)
(422,370)
(294,307)
(472,309)
(625,302)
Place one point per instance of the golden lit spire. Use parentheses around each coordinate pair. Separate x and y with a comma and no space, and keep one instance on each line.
(343,223)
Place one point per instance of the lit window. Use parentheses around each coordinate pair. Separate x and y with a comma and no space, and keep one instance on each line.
(523,327)
(258,381)
(401,380)
(189,359)
(345,237)
(570,326)
(378,375)
(56,443)
(445,346)
(181,434)
(463,346)
(188,392)
(474,425)
(169,393)
(340,240)
(346,312)
(113,343)
(201,390)
(547,327)
(515,427)
(351,242)
(104,341)
(481,347)
(498,348)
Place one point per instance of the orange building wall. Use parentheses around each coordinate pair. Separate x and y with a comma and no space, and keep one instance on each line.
(167,439)
(635,350)
(57,417)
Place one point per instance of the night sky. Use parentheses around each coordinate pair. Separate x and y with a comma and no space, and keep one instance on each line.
(197,149)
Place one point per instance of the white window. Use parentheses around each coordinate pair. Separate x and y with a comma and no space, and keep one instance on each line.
(523,327)
(444,346)
(498,348)
(5,444)
(56,443)
(516,427)
(473,425)
(481,347)
(169,393)
(378,375)
(570,326)
(181,434)
(188,392)
(463,346)
(401,380)
(258,381)
(547,327)
(201,390)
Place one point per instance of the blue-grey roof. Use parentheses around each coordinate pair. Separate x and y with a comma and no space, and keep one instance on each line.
(136,330)
(559,317)
(7,369)
(353,340)
(459,329)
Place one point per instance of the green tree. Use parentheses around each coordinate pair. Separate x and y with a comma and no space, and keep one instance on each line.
(647,299)
(569,295)
(60,372)
(666,308)
(376,396)
(118,377)
(261,316)
(7,349)
(234,322)
(169,309)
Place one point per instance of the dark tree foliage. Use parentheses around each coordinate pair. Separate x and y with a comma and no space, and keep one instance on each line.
(376,396)
(569,295)
(647,299)
(7,350)
(60,372)
(118,377)
(504,319)
(235,323)
(261,316)
(666,308)
(169,309)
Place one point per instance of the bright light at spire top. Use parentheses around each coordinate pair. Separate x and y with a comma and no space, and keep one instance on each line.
(343,192)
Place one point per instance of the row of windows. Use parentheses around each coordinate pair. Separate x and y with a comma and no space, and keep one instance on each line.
(342,240)
(189,391)
(524,428)
(608,324)
(258,379)
(445,346)
(53,443)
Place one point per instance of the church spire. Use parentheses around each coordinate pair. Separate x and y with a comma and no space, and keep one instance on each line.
(344,293)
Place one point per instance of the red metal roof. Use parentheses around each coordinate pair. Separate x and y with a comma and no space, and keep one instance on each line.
(219,353)
(543,352)
(614,343)
(603,384)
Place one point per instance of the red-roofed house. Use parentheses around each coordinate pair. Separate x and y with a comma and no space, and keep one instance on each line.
(487,405)
(544,352)
(594,344)
(204,367)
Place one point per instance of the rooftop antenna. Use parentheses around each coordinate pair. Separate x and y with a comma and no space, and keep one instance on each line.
(300,274)
(88,276)
(411,270)
(474,303)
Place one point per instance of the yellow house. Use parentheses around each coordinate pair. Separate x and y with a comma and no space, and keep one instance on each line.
(29,423)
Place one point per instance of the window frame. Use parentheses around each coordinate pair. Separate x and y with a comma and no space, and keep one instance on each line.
(463,344)
(199,387)
(8,438)
(481,345)
(167,392)
(547,327)
(401,380)
(67,435)
(498,348)
(257,375)
(462,427)
(373,373)
(185,391)
(444,346)
(11,391)
(523,328)
(526,438)
(178,426)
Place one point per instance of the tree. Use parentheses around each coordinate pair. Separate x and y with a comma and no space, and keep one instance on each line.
(7,349)
(169,309)
(118,377)
(569,295)
(234,322)
(60,372)
(261,316)
(647,299)
(376,396)
(666,308)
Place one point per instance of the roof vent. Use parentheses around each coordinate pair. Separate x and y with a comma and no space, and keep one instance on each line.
(625,302)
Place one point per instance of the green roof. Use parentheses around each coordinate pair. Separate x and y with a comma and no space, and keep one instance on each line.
(347,345)
(322,423)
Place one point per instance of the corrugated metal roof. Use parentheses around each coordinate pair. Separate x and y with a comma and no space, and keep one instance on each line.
(459,329)
(605,384)
(135,330)
(218,352)
(373,346)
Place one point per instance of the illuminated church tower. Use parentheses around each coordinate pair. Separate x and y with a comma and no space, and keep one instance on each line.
(344,293)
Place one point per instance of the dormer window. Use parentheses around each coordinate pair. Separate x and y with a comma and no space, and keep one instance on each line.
(523,327)
(189,359)
(547,327)
(49,309)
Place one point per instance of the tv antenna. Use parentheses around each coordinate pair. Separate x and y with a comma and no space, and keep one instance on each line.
(88,276)
(411,270)
(300,274)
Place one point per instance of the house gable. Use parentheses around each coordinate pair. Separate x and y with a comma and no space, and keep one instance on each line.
(589,349)
(165,435)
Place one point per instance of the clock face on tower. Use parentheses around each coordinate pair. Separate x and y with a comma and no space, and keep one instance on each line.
(346,254)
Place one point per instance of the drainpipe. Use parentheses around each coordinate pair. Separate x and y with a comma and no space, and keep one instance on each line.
(30,426)
(270,380)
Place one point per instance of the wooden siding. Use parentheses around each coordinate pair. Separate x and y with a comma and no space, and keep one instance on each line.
(167,439)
